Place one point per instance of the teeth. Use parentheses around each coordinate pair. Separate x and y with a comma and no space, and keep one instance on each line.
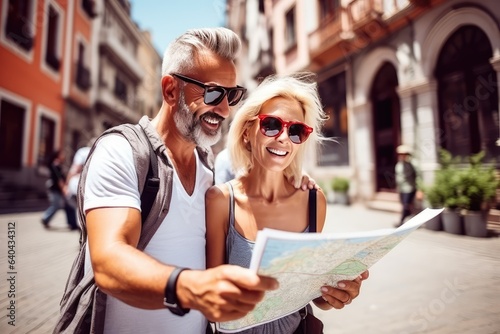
(211,120)
(277,152)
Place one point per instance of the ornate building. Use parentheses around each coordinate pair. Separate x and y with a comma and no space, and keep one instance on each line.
(418,72)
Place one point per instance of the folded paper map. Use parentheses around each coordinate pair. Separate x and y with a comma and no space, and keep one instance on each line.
(304,262)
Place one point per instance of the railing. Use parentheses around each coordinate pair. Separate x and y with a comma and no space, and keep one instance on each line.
(330,32)
(362,12)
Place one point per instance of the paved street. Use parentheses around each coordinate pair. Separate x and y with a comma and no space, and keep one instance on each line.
(433,282)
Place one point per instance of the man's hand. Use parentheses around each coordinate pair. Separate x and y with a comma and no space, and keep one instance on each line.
(223,293)
(342,295)
(307,182)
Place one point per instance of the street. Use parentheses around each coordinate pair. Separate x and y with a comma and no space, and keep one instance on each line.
(433,282)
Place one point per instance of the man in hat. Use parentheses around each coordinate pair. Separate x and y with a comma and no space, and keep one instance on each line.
(406,181)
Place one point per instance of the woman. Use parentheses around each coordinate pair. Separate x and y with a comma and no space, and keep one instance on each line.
(267,140)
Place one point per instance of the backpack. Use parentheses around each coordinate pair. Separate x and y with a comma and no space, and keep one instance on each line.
(83,304)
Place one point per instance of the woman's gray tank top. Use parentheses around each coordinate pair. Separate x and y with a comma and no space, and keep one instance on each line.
(239,252)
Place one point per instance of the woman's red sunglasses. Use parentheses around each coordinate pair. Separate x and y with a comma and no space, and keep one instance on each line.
(272,126)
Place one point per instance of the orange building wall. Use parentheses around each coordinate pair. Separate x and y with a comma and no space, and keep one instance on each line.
(29,81)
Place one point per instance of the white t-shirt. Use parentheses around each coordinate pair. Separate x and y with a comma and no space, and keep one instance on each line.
(180,239)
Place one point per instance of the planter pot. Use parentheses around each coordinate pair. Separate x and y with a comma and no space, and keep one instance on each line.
(452,221)
(341,198)
(475,224)
(434,224)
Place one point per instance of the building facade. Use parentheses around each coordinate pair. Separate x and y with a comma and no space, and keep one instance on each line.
(418,72)
(41,74)
(70,70)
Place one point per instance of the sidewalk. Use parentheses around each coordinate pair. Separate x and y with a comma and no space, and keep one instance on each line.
(433,282)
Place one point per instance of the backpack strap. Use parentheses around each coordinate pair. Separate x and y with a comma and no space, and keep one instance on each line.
(152,183)
(312,210)
(151,186)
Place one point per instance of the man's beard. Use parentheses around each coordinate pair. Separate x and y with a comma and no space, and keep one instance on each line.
(190,127)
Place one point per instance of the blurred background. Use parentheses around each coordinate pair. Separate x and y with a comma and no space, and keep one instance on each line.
(423,73)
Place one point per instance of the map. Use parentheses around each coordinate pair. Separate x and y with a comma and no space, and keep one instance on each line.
(304,262)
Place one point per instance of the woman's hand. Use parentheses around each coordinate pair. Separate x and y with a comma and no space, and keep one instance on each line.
(343,294)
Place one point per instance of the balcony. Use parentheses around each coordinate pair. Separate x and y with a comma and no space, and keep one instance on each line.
(115,106)
(325,42)
(365,15)
(122,57)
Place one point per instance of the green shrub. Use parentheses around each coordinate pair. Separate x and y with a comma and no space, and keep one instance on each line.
(340,184)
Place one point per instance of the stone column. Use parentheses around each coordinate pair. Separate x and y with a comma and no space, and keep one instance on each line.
(420,124)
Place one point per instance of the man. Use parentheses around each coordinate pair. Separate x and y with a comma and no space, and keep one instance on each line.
(406,181)
(198,88)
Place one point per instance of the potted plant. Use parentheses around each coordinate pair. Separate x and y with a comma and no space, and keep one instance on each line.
(340,187)
(434,199)
(447,179)
(478,186)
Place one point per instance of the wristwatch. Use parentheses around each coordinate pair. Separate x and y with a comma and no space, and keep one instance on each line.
(170,300)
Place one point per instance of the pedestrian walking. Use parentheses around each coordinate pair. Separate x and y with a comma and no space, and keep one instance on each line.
(406,181)
(56,189)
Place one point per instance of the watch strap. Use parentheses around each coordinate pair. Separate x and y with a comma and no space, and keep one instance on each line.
(170,300)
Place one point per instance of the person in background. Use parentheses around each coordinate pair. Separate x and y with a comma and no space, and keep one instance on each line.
(75,171)
(406,181)
(267,141)
(223,168)
(56,188)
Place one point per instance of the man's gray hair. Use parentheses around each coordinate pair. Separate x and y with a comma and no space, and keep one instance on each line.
(180,53)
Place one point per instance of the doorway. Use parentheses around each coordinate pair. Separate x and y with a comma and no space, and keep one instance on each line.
(386,126)
(11,135)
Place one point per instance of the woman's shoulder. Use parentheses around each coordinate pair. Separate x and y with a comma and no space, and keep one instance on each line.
(217,192)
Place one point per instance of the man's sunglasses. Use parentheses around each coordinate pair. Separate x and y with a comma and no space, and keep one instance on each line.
(214,94)
(272,126)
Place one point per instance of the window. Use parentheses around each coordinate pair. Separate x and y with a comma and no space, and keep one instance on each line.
(82,73)
(333,95)
(120,89)
(46,140)
(290,33)
(51,51)
(18,26)
(89,8)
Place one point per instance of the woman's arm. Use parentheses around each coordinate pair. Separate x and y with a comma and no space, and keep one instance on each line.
(217,223)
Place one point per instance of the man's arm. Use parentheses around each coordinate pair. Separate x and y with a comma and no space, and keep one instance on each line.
(221,294)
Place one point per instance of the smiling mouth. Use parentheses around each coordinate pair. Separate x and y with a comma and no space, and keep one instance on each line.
(212,120)
(277,152)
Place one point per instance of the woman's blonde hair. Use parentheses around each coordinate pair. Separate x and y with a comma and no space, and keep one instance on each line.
(300,87)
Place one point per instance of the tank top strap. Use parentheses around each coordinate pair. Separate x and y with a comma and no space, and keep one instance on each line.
(231,203)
